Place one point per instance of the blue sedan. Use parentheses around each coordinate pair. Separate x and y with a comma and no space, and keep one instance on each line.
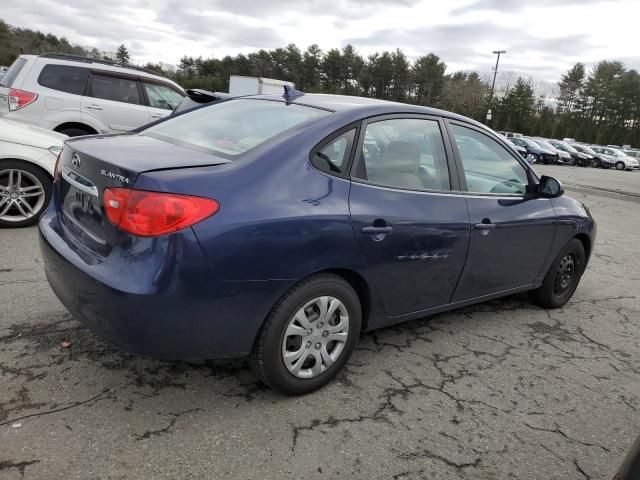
(279,228)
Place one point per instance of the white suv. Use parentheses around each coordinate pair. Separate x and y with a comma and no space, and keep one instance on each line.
(79,96)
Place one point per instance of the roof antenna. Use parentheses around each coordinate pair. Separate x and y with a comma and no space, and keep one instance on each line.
(290,92)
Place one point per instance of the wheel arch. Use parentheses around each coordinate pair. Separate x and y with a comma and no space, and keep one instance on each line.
(79,125)
(30,162)
(361,287)
(586,243)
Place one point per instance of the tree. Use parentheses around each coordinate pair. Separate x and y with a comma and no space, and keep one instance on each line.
(428,75)
(570,85)
(516,108)
(122,55)
(311,69)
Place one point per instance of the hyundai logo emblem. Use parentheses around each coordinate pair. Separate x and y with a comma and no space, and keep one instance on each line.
(75,160)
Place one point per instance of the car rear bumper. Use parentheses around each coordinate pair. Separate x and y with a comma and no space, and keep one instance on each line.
(191,315)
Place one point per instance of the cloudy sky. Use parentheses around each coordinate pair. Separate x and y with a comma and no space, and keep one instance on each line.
(543,38)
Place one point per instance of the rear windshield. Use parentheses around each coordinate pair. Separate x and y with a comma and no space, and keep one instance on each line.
(11,74)
(231,128)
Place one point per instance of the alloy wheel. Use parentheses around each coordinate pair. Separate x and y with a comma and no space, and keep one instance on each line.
(315,337)
(22,195)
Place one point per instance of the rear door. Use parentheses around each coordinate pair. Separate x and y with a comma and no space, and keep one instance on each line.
(408,215)
(114,101)
(511,230)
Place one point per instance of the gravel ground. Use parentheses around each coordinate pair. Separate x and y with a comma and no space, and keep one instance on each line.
(499,390)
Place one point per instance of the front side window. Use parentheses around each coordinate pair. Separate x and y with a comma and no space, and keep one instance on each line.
(115,88)
(64,78)
(404,153)
(488,166)
(232,127)
(334,156)
(161,96)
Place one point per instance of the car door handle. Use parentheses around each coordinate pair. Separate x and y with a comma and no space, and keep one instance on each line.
(371,230)
(158,115)
(485,226)
(94,107)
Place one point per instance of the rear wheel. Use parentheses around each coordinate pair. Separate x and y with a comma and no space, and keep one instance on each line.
(563,277)
(620,166)
(25,191)
(75,132)
(308,336)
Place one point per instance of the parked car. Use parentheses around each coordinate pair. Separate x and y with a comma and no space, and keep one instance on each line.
(539,154)
(27,159)
(263,227)
(579,158)
(81,96)
(512,134)
(621,160)
(597,160)
(632,152)
(564,157)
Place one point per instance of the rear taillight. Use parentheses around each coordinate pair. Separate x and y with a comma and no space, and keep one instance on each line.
(150,214)
(20,98)
(57,170)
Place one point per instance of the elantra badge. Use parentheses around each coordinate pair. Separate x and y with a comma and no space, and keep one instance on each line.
(115,176)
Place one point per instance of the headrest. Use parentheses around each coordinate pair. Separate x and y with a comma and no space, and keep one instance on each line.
(401,157)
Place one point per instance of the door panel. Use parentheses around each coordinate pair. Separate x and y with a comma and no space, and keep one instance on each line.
(412,231)
(512,253)
(417,265)
(511,230)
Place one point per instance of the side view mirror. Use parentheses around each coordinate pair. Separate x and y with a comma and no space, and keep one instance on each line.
(549,187)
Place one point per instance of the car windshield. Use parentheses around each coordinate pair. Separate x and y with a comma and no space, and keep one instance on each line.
(568,147)
(544,144)
(529,143)
(232,127)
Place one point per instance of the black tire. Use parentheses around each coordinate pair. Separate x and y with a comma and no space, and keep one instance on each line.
(595,163)
(266,357)
(553,293)
(75,132)
(620,166)
(41,176)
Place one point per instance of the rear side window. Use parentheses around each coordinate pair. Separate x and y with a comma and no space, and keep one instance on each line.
(11,74)
(232,127)
(114,88)
(334,156)
(64,78)
(161,96)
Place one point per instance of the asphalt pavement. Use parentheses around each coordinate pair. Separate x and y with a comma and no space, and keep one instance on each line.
(500,390)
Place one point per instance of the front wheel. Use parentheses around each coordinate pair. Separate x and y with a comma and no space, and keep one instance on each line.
(25,191)
(620,166)
(595,163)
(563,277)
(308,336)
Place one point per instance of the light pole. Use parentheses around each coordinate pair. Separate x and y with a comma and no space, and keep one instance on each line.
(493,84)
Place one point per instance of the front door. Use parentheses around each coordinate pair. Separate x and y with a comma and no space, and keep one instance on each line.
(511,230)
(411,225)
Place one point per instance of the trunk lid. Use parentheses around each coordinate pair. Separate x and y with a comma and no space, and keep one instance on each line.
(90,165)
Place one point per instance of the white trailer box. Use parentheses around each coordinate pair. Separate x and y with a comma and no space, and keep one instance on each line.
(240,85)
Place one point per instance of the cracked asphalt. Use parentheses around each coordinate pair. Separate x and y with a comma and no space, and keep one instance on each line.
(501,390)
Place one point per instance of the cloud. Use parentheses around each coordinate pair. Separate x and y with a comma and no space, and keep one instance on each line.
(514,6)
